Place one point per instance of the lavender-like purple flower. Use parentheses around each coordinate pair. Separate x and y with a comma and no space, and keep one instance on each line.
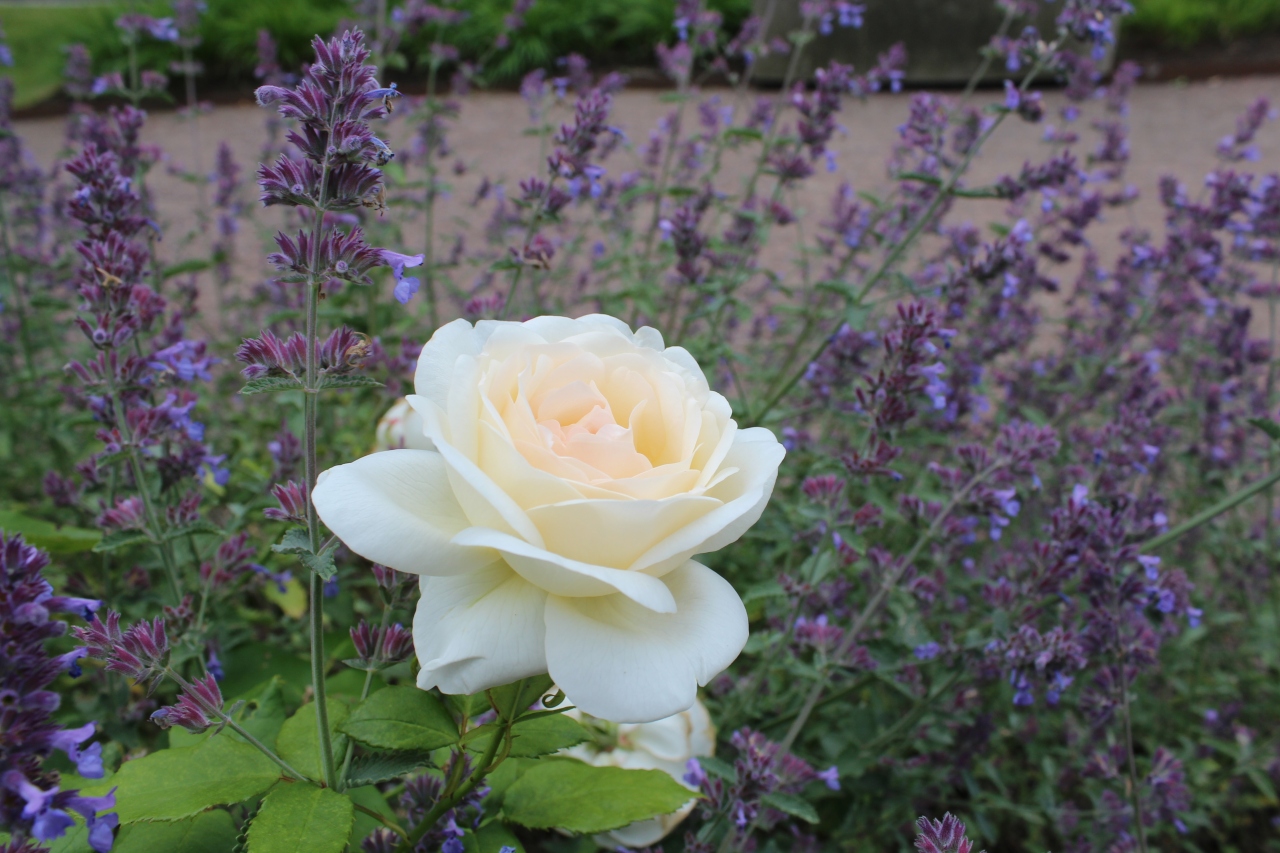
(942,836)
(31,805)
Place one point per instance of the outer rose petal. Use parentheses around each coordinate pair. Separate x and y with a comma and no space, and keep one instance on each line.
(397,508)
(479,630)
(438,357)
(624,663)
(560,575)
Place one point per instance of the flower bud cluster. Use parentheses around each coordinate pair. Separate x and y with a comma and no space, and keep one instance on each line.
(340,353)
(199,707)
(378,648)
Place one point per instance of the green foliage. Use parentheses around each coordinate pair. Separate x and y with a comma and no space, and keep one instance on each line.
(375,767)
(299,742)
(270,385)
(570,795)
(36,34)
(491,838)
(50,537)
(178,783)
(302,818)
(401,718)
(792,805)
(532,737)
(295,541)
(1187,22)
(210,832)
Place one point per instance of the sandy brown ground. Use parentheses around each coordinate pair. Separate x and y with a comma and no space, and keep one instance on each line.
(1174,128)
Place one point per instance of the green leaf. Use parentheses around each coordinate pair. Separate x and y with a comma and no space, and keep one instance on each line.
(792,805)
(354,381)
(512,700)
(178,783)
(76,840)
(48,536)
(301,818)
(531,738)
(184,267)
(120,539)
(716,767)
(1270,427)
(210,832)
(191,529)
(491,838)
(401,718)
(372,799)
(322,563)
(376,767)
(270,385)
(299,740)
(577,797)
(297,541)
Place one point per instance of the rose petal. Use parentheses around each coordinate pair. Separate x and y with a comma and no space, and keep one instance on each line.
(563,576)
(434,375)
(756,454)
(483,502)
(616,533)
(480,630)
(397,508)
(623,663)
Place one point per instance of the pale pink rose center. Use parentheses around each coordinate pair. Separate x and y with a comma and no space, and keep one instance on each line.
(576,421)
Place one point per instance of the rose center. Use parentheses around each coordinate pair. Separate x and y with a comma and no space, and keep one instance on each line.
(576,421)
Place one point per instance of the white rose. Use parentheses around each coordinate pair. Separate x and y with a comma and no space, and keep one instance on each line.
(666,745)
(578,467)
(401,427)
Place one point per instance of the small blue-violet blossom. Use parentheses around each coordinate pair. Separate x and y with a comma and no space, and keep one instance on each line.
(405,287)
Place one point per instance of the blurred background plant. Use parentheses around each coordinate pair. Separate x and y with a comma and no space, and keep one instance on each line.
(608,33)
(1020,565)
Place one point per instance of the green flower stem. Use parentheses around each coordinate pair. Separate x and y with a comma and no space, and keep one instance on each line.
(148,506)
(311,405)
(1135,792)
(1229,502)
(364,694)
(486,766)
(227,721)
(733,841)
(528,235)
(946,191)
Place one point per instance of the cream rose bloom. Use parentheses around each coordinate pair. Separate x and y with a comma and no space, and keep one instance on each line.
(401,427)
(666,745)
(577,469)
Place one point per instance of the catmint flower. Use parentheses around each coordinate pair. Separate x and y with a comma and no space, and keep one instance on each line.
(388,579)
(378,648)
(405,287)
(198,708)
(928,651)
(942,836)
(138,652)
(29,799)
(292,500)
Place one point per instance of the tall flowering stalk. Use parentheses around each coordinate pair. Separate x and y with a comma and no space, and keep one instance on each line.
(138,383)
(337,170)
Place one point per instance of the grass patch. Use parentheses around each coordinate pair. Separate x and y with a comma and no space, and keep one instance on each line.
(1188,22)
(37,35)
(606,31)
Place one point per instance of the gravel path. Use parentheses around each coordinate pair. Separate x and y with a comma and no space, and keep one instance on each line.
(1174,128)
